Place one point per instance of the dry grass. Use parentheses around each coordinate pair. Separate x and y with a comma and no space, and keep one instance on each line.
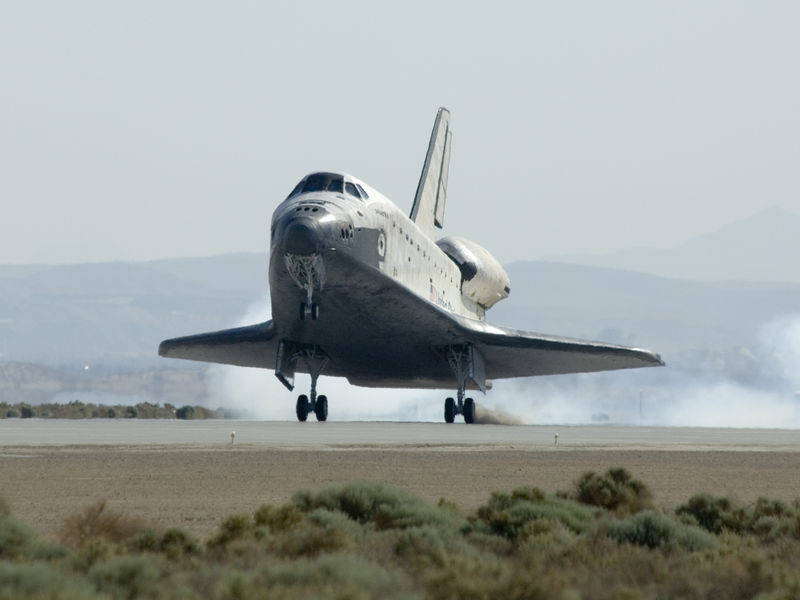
(98,522)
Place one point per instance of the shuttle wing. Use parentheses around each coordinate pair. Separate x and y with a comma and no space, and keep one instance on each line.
(250,346)
(515,353)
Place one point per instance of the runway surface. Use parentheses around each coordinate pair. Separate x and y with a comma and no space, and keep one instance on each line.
(333,435)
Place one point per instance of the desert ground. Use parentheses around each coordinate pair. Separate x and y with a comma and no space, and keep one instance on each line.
(195,485)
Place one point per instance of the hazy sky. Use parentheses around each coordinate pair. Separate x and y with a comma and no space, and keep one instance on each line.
(145,129)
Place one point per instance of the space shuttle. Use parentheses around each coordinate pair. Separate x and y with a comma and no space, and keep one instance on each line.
(363,290)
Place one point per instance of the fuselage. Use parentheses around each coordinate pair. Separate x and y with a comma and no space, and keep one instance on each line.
(332,217)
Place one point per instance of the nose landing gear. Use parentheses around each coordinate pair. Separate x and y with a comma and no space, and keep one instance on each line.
(308,272)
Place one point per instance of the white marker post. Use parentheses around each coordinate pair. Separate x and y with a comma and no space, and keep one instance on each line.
(556,437)
(233,435)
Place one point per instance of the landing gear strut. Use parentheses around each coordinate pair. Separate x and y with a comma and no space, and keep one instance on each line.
(462,360)
(315,360)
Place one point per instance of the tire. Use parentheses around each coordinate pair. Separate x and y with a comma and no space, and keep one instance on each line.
(314,311)
(469,410)
(302,311)
(449,410)
(321,408)
(302,407)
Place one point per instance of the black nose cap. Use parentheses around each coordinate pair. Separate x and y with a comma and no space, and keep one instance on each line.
(301,237)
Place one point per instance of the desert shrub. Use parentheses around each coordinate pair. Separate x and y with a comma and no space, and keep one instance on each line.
(484,577)
(281,518)
(47,551)
(615,490)
(766,518)
(653,529)
(764,507)
(17,539)
(426,548)
(235,527)
(127,577)
(93,551)
(147,540)
(712,514)
(176,542)
(381,505)
(185,412)
(335,576)
(331,576)
(528,511)
(97,521)
(42,581)
(334,535)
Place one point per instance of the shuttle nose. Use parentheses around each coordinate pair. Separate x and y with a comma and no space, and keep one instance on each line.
(301,236)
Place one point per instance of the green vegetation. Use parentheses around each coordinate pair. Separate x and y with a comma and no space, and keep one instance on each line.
(604,539)
(80,410)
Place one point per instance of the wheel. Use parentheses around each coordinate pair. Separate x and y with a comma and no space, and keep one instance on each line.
(302,311)
(315,313)
(321,408)
(469,410)
(302,407)
(449,410)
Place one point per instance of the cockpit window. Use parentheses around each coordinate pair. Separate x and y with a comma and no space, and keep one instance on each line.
(335,185)
(326,182)
(323,182)
(364,194)
(296,189)
(351,189)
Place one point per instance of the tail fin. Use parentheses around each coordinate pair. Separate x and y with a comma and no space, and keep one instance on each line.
(428,208)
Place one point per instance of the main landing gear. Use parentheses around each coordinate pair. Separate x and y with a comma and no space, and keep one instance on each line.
(316,361)
(319,407)
(460,359)
(464,407)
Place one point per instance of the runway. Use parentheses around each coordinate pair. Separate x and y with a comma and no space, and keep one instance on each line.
(339,435)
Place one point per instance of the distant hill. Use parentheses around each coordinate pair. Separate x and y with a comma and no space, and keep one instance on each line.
(34,384)
(667,315)
(764,247)
(117,313)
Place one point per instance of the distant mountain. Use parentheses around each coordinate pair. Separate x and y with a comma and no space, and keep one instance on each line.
(34,384)
(677,318)
(117,313)
(764,247)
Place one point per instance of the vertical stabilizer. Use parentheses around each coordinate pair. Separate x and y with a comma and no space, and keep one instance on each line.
(428,209)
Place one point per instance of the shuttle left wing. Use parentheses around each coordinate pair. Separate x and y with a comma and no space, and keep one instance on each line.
(516,353)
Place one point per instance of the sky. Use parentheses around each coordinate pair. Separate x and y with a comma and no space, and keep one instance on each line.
(145,130)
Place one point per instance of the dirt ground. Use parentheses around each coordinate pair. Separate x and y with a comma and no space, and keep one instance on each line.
(195,487)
